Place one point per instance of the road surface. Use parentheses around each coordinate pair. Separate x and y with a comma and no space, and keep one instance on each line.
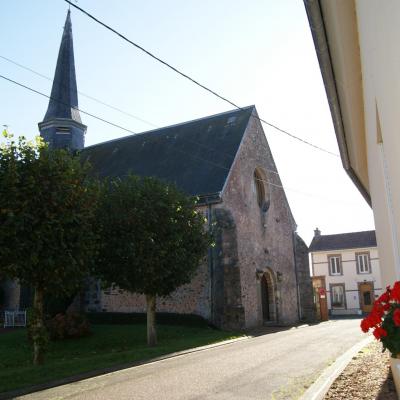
(275,366)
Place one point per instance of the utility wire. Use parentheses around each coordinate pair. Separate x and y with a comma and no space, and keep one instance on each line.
(176,70)
(279,186)
(109,122)
(81,93)
(65,104)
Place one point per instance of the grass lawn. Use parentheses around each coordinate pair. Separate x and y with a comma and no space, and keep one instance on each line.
(109,345)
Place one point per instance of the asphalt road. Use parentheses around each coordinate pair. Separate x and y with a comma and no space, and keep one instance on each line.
(274,366)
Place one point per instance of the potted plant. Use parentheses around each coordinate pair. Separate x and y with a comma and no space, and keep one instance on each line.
(384,319)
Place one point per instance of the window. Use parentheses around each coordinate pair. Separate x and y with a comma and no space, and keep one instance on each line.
(337,296)
(335,267)
(363,263)
(260,190)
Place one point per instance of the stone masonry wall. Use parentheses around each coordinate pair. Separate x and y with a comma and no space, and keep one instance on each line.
(305,285)
(227,309)
(264,234)
(192,298)
(11,294)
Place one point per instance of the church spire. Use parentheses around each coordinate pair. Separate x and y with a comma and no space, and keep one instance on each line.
(62,125)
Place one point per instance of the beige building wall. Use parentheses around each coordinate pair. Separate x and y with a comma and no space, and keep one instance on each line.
(379,33)
(350,278)
(357,43)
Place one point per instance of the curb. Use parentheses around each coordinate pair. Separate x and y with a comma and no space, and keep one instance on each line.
(321,386)
(103,371)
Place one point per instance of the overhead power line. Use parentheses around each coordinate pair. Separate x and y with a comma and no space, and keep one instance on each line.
(81,93)
(112,123)
(202,159)
(65,104)
(194,81)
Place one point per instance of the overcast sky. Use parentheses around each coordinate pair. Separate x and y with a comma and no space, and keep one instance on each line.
(250,51)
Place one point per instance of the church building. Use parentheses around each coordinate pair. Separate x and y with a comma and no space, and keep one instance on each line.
(258,272)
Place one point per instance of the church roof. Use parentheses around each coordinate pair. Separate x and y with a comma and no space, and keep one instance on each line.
(64,94)
(196,155)
(341,241)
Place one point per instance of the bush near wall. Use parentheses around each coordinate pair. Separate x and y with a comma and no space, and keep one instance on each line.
(116,318)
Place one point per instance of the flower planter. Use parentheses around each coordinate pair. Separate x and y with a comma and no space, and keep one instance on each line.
(395,367)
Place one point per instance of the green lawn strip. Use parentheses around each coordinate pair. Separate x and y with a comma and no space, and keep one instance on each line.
(110,345)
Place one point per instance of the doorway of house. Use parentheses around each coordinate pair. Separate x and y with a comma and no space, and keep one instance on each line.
(268,297)
(366,293)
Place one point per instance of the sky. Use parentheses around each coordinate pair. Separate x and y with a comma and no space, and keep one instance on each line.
(250,51)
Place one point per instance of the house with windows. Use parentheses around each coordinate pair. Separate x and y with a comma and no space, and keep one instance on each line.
(345,267)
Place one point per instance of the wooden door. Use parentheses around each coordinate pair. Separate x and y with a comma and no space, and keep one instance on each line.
(366,293)
(320,297)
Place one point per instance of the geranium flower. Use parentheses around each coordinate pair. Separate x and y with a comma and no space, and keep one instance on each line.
(384,298)
(396,317)
(379,332)
(378,309)
(385,314)
(395,292)
(365,325)
(374,318)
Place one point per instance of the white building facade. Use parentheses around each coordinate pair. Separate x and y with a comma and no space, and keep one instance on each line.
(348,266)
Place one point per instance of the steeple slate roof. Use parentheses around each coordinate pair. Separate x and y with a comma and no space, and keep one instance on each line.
(64,93)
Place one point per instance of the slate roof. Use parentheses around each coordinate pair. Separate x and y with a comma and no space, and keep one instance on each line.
(352,240)
(196,155)
(64,94)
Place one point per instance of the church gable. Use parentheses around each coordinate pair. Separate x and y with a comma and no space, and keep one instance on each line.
(196,156)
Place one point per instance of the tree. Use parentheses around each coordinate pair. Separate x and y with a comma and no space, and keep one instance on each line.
(47,213)
(152,239)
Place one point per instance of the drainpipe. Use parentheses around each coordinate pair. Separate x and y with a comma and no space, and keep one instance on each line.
(297,277)
(211,265)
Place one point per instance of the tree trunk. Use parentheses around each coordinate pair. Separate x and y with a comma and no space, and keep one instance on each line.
(39,336)
(151,320)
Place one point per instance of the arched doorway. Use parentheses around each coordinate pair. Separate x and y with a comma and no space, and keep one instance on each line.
(268,297)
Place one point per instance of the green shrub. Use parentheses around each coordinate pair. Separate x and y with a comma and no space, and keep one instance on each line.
(69,325)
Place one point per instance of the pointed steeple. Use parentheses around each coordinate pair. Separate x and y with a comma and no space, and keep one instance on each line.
(62,125)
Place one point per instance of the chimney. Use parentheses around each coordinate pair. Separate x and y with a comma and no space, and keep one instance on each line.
(317,232)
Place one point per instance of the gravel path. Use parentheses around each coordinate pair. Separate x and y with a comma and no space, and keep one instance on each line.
(367,376)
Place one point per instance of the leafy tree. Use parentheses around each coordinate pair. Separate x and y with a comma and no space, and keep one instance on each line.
(47,213)
(152,239)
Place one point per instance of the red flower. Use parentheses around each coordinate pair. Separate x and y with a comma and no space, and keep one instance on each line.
(365,325)
(374,318)
(384,298)
(378,309)
(396,317)
(379,332)
(386,307)
(395,292)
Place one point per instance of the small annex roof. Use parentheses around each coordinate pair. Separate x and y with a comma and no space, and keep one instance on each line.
(351,240)
(196,156)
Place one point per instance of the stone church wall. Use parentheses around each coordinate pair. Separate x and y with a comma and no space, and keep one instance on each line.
(12,291)
(304,279)
(252,240)
(192,298)
(227,309)
(264,234)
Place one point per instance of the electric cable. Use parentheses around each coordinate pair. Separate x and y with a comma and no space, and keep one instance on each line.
(184,75)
